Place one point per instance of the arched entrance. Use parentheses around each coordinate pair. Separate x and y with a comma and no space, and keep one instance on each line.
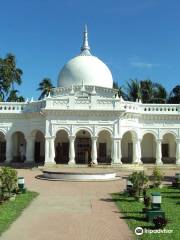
(127,147)
(148,148)
(62,147)
(19,147)
(39,147)
(2,147)
(168,148)
(104,147)
(83,147)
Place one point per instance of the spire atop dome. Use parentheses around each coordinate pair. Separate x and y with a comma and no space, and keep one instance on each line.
(85,49)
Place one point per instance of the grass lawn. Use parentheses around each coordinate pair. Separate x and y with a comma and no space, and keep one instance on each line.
(132,213)
(10,210)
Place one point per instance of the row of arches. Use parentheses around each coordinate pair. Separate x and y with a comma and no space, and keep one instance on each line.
(83,146)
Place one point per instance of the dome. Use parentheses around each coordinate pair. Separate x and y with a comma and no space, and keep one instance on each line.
(86,69)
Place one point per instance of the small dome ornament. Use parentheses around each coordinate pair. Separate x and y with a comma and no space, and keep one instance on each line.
(83,87)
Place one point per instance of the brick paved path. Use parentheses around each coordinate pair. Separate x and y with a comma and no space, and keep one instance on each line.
(69,211)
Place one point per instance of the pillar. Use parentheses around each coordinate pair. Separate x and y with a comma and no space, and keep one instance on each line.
(178,151)
(9,156)
(159,152)
(49,150)
(136,151)
(94,150)
(71,150)
(116,151)
(30,148)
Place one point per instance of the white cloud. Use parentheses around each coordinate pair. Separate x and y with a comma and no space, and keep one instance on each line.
(143,64)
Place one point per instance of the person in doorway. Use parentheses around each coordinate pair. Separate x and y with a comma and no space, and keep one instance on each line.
(22,152)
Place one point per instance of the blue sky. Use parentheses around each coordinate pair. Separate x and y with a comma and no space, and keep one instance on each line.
(136,39)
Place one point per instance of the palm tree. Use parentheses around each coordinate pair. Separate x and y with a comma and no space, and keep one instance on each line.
(121,93)
(174,96)
(45,86)
(13,97)
(9,75)
(152,92)
(133,90)
(146,90)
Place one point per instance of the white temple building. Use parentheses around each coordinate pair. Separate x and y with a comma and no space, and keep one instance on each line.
(84,120)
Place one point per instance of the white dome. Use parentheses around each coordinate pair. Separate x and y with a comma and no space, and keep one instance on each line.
(87,69)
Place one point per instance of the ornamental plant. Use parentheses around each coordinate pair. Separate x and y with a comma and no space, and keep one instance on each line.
(160,222)
(157,177)
(139,180)
(8,181)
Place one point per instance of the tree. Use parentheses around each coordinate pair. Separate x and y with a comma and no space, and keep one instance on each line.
(146,90)
(13,97)
(121,93)
(9,75)
(45,86)
(174,96)
(152,92)
(133,90)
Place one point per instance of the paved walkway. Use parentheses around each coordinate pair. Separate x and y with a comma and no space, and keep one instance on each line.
(69,211)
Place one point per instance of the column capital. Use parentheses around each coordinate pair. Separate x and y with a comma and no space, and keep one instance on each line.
(72,137)
(94,138)
(117,138)
(29,137)
(49,137)
(158,140)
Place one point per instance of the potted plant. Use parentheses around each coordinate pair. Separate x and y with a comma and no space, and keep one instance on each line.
(138,179)
(160,222)
(157,177)
(147,203)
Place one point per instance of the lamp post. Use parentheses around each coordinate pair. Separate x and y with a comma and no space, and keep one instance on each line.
(156,200)
(21,184)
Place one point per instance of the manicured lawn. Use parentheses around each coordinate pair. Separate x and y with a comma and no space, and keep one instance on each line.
(10,210)
(132,213)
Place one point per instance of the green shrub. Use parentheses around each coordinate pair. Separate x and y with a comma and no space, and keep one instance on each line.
(157,177)
(138,179)
(8,181)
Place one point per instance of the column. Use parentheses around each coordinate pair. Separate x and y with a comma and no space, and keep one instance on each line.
(71,150)
(49,150)
(94,150)
(136,151)
(178,151)
(30,149)
(9,156)
(116,150)
(159,152)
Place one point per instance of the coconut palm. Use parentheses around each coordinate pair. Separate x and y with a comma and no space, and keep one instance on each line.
(174,96)
(121,92)
(13,97)
(9,75)
(152,92)
(133,90)
(45,86)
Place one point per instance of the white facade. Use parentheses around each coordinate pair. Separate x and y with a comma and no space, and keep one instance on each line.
(85,123)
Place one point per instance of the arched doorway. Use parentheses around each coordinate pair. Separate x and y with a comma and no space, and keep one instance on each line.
(19,147)
(62,147)
(83,147)
(127,147)
(2,147)
(104,147)
(148,148)
(39,147)
(168,148)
